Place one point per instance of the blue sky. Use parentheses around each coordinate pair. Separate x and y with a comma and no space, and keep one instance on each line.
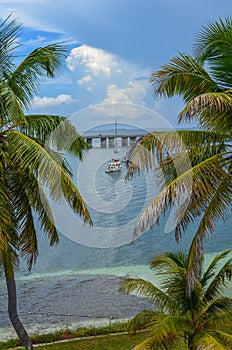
(114,46)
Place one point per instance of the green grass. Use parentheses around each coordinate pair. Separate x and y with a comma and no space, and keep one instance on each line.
(63,334)
(104,338)
(108,342)
(104,342)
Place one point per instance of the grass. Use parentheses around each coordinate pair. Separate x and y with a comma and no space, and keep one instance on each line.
(102,338)
(68,334)
(107,342)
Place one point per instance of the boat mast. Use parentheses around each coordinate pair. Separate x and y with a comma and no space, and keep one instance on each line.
(116,136)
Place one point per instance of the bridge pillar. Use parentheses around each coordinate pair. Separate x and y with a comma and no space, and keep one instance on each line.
(132,140)
(124,141)
(103,142)
(111,142)
(89,141)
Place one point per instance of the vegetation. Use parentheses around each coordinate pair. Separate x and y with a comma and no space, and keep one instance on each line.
(28,164)
(191,304)
(196,165)
(198,319)
(108,342)
(196,183)
(68,334)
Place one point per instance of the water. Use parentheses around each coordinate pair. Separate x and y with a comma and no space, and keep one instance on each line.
(81,280)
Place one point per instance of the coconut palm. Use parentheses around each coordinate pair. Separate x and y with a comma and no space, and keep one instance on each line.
(196,179)
(31,162)
(200,319)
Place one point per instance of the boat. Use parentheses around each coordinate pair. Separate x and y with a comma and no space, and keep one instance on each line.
(114,166)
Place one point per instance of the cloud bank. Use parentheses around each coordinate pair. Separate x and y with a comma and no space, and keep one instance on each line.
(43,102)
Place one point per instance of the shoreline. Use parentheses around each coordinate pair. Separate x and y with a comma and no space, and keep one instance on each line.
(81,300)
(65,335)
(89,302)
(48,329)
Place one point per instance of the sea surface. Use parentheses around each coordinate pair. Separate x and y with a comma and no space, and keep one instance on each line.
(76,283)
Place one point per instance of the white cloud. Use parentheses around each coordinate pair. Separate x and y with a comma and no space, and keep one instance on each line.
(42,102)
(85,79)
(136,115)
(134,93)
(96,61)
(60,80)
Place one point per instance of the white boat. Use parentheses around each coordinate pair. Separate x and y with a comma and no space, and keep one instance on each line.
(114,166)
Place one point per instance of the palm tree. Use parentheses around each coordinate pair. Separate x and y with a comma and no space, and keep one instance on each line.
(196,165)
(30,166)
(200,319)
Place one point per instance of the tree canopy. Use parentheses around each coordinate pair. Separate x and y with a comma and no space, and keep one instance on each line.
(202,319)
(201,190)
(32,160)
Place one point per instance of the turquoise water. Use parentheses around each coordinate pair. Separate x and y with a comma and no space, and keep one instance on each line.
(80,276)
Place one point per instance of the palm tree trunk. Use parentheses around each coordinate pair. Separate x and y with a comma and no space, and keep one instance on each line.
(13,313)
(190,345)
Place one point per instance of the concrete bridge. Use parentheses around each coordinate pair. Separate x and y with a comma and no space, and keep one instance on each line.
(124,138)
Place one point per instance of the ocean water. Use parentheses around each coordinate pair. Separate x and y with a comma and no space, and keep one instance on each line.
(76,282)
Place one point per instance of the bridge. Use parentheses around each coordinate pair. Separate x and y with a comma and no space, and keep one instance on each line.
(108,138)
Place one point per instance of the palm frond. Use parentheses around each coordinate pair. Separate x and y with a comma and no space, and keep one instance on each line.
(166,331)
(213,110)
(9,32)
(172,149)
(173,269)
(216,209)
(8,223)
(55,131)
(148,290)
(30,156)
(169,262)
(37,200)
(213,45)
(28,195)
(212,35)
(215,311)
(41,62)
(221,279)
(10,108)
(218,320)
(200,182)
(147,345)
(40,126)
(210,272)
(151,343)
(183,75)
(212,340)
(224,338)
(28,239)
(66,138)
(5,207)
(9,259)
(144,320)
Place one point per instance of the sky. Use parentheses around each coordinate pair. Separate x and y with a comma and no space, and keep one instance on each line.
(113,48)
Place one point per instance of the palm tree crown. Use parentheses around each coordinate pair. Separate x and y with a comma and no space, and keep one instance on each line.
(26,160)
(201,319)
(202,190)
(31,160)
